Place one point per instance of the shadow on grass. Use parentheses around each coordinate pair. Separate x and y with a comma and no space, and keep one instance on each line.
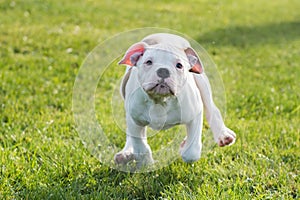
(113,184)
(244,36)
(106,183)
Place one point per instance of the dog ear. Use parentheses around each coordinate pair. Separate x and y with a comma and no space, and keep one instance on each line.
(133,54)
(196,65)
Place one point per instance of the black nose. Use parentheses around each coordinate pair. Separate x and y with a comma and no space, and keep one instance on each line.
(163,73)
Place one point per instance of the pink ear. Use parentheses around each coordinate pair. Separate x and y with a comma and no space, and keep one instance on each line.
(196,65)
(133,54)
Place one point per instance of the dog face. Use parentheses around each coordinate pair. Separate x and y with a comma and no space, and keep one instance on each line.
(162,69)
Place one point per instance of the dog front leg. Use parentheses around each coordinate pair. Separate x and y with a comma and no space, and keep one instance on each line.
(190,148)
(222,135)
(136,147)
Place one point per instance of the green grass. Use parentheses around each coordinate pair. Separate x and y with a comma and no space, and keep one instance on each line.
(256,46)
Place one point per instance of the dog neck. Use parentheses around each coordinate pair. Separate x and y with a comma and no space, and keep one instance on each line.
(158,99)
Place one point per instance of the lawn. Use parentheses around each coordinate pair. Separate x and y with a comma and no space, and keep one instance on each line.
(255,46)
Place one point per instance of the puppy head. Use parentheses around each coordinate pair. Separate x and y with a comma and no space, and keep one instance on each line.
(162,69)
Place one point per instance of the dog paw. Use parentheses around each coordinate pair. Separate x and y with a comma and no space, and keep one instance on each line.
(190,152)
(227,137)
(128,158)
(122,158)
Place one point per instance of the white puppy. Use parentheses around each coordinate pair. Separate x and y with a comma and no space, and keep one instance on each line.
(164,86)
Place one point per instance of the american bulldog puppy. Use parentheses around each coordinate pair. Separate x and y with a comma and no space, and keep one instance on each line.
(165,85)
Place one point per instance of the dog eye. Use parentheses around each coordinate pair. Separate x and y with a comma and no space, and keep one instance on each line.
(148,62)
(179,66)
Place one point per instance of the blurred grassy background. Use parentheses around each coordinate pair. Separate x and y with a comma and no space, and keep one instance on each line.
(256,46)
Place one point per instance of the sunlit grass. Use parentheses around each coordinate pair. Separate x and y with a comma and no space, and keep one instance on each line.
(255,45)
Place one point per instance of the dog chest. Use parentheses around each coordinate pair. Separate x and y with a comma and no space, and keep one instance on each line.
(145,112)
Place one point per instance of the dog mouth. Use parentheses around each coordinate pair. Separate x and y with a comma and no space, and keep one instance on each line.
(161,89)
